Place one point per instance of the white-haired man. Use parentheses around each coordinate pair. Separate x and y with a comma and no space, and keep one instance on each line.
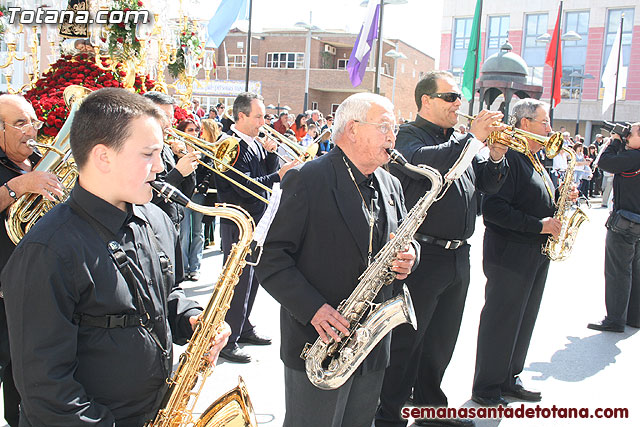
(336,213)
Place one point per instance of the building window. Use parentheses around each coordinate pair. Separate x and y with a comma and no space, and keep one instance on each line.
(461,36)
(334,108)
(285,60)
(236,61)
(314,105)
(342,64)
(613,22)
(497,34)
(574,53)
(534,52)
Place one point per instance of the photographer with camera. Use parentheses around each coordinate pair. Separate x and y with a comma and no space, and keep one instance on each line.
(622,250)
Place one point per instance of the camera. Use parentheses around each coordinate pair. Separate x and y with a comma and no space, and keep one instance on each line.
(623,129)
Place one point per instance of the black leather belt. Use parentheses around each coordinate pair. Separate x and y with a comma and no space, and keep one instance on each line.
(447,244)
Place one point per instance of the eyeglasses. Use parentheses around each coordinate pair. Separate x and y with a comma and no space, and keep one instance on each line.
(383,127)
(544,122)
(447,96)
(36,124)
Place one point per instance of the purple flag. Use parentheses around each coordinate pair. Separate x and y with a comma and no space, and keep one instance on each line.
(359,58)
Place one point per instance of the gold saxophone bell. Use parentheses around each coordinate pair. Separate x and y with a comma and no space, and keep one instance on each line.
(57,159)
(232,409)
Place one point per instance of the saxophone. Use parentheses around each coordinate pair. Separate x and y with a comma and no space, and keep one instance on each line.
(234,407)
(559,249)
(329,365)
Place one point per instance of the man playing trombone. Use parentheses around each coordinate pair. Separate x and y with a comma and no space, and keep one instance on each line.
(259,162)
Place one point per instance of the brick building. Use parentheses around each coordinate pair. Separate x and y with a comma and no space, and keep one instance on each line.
(522,23)
(277,71)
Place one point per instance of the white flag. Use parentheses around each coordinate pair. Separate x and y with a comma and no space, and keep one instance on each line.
(609,75)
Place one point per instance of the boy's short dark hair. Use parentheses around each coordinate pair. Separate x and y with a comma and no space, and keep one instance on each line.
(105,117)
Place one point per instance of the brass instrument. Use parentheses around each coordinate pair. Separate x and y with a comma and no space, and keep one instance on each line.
(296,151)
(228,114)
(505,137)
(224,154)
(329,365)
(57,159)
(559,249)
(234,408)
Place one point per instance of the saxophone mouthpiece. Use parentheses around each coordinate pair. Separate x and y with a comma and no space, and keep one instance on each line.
(396,156)
(170,193)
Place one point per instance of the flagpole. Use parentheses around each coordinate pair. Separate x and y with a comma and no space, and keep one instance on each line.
(555,63)
(475,64)
(615,92)
(246,82)
(376,83)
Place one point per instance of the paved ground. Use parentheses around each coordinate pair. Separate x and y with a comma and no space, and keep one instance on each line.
(572,366)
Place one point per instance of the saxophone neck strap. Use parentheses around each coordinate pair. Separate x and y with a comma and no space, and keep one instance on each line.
(540,169)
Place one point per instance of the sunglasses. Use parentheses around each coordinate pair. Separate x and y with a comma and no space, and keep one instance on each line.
(447,96)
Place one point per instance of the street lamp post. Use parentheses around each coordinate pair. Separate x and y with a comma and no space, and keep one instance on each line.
(278,108)
(569,36)
(307,58)
(581,77)
(395,54)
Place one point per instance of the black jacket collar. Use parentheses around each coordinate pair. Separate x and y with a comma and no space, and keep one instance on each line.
(432,128)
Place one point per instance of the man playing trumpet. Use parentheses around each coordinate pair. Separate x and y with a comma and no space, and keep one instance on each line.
(439,285)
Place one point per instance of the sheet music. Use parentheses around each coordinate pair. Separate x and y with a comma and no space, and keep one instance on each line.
(260,233)
(468,153)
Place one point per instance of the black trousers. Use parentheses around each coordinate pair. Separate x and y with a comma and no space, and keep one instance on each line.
(244,293)
(351,405)
(10,394)
(516,274)
(438,289)
(622,279)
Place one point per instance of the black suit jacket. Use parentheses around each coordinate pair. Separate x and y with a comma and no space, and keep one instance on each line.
(262,168)
(317,248)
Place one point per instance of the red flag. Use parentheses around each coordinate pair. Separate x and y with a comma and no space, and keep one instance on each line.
(554,60)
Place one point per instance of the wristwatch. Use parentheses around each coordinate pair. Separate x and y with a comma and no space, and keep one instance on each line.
(11,192)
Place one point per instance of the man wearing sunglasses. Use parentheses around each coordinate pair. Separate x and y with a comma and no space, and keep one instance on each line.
(439,285)
(18,124)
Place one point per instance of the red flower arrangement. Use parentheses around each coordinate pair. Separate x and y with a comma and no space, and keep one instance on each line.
(46,94)
(180,114)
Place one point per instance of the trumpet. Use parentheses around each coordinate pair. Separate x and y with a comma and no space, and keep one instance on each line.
(516,139)
(224,155)
(296,151)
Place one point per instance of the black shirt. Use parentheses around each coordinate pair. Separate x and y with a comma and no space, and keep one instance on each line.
(8,171)
(70,374)
(516,211)
(625,165)
(452,217)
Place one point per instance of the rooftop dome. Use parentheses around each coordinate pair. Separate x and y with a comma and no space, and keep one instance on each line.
(504,65)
